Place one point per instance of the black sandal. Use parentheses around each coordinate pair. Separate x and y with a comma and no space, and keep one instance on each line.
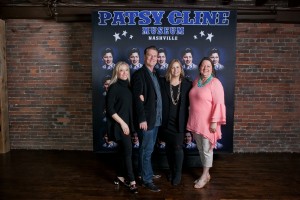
(117,181)
(133,188)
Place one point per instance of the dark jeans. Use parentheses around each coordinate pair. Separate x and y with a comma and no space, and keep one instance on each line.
(147,142)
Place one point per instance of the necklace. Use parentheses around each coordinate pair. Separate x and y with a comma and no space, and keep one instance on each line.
(200,84)
(175,101)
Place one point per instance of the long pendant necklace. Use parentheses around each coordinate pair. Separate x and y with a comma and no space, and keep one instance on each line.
(200,84)
(175,101)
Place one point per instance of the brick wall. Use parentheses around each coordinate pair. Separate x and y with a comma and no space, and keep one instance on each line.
(50,94)
(267,92)
(49,84)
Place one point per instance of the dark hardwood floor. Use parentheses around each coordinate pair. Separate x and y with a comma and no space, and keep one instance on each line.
(73,175)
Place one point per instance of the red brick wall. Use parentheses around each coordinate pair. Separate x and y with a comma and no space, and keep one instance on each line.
(49,85)
(50,94)
(267,92)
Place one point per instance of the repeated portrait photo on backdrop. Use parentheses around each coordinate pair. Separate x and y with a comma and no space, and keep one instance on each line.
(187,58)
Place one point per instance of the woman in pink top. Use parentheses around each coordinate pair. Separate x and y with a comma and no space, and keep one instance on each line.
(206,115)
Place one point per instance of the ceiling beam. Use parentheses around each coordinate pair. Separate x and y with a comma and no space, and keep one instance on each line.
(75,12)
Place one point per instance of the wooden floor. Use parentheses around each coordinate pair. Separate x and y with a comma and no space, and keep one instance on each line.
(86,175)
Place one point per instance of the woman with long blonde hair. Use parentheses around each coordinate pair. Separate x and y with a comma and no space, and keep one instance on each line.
(120,123)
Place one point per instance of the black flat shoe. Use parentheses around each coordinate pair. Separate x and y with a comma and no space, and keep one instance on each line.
(175,183)
(176,180)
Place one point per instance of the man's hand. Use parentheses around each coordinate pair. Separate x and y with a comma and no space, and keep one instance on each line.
(143,126)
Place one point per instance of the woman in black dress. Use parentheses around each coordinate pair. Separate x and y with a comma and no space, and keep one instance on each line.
(174,89)
(120,124)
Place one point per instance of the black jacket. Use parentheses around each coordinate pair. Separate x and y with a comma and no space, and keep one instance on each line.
(142,84)
(183,103)
(119,101)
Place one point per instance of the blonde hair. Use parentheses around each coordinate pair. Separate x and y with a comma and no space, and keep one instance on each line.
(168,75)
(116,70)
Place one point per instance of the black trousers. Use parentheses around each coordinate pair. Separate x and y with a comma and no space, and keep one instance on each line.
(174,153)
(124,165)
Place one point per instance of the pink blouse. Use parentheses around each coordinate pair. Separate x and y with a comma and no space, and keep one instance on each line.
(206,106)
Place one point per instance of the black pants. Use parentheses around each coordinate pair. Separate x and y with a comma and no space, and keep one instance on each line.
(124,166)
(174,153)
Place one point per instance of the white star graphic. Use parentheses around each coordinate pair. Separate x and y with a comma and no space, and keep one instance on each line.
(131,36)
(202,33)
(209,36)
(195,37)
(117,36)
(124,33)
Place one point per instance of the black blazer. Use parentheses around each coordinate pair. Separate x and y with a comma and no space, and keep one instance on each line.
(183,103)
(142,84)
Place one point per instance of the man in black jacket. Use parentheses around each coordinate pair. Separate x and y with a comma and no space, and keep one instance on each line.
(148,113)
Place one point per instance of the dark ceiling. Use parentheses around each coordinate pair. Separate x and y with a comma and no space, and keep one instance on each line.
(283,11)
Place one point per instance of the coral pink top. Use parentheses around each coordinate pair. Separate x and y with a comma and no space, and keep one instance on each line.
(206,106)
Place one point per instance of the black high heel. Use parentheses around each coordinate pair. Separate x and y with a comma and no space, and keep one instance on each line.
(133,188)
(116,181)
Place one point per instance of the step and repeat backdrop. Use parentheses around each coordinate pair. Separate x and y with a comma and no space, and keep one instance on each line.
(187,35)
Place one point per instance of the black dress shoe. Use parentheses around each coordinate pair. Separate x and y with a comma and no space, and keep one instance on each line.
(152,187)
(156,176)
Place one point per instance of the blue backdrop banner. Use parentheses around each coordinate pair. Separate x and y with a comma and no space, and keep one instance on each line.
(123,36)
